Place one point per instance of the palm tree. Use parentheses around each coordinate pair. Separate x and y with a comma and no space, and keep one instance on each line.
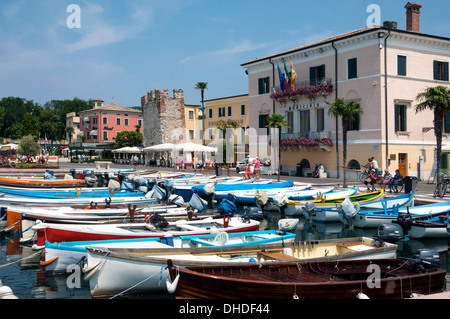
(69,131)
(436,99)
(202,86)
(277,121)
(349,112)
(223,126)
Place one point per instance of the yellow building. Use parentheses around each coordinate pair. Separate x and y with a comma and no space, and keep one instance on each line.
(192,123)
(232,108)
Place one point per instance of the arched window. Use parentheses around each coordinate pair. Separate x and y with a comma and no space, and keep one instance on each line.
(305,163)
(353,164)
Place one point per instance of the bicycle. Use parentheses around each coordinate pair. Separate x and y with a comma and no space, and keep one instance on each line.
(443,186)
(364,175)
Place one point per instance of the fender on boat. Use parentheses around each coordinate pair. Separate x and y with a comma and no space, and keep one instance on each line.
(47,262)
(171,287)
(90,271)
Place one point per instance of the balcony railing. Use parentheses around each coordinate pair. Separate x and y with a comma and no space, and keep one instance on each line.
(308,88)
(318,135)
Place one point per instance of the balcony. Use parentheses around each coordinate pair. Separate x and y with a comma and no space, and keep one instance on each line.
(311,88)
(318,135)
(310,141)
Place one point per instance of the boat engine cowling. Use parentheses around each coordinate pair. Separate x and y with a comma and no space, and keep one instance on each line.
(390,233)
(429,258)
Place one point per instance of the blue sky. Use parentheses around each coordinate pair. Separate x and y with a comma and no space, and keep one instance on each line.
(125,48)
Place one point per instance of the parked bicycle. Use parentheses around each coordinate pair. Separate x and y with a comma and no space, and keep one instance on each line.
(443,186)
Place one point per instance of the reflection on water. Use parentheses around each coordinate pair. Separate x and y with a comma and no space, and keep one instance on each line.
(19,265)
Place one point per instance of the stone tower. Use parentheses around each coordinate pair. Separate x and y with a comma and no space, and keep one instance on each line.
(163,116)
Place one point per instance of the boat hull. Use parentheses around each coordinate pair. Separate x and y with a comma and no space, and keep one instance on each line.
(306,281)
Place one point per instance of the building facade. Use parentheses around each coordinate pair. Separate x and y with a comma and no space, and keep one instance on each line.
(102,123)
(383,69)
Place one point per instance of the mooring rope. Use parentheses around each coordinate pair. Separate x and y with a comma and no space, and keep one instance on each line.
(21,259)
(18,234)
(142,281)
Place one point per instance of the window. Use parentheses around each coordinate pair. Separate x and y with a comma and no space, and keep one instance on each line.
(229,111)
(401,65)
(320,120)
(94,121)
(447,122)
(105,136)
(191,115)
(440,71)
(400,118)
(118,121)
(263,123)
(290,122)
(140,123)
(200,134)
(354,125)
(191,134)
(222,111)
(105,120)
(242,109)
(99,104)
(304,121)
(211,135)
(126,122)
(316,74)
(210,113)
(263,85)
(352,68)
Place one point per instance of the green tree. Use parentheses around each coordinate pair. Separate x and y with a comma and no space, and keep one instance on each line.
(28,146)
(30,125)
(202,86)
(348,111)
(436,99)
(277,121)
(126,138)
(12,112)
(51,126)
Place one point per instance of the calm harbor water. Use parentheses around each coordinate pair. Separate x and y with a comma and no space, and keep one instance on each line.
(19,265)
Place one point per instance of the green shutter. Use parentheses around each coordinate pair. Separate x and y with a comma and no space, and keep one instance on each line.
(401,65)
(397,115)
(435,70)
(312,75)
(352,68)
(445,71)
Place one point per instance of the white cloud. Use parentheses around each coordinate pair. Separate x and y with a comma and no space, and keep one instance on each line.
(235,48)
(97,31)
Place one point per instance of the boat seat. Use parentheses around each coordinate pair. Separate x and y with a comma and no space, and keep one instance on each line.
(277,255)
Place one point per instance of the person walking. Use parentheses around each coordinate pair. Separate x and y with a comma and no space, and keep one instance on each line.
(257,168)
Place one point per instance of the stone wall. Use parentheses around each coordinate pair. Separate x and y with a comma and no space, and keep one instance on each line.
(164,117)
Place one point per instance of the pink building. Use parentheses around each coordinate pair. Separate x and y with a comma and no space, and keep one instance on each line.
(382,68)
(102,123)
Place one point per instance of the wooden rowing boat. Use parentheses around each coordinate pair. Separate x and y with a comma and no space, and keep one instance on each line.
(34,182)
(324,214)
(332,200)
(109,278)
(59,256)
(53,232)
(393,279)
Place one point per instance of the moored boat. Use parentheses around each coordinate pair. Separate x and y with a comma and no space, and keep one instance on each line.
(374,218)
(53,232)
(313,280)
(59,256)
(320,213)
(109,276)
(430,227)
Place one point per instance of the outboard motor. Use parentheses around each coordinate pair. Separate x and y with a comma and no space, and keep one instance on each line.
(405,222)
(308,210)
(73,173)
(255,213)
(90,179)
(390,233)
(424,259)
(168,186)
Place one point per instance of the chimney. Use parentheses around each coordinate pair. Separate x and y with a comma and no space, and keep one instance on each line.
(412,16)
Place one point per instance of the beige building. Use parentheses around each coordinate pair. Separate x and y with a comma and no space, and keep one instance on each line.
(383,69)
(72,120)
(192,123)
(234,108)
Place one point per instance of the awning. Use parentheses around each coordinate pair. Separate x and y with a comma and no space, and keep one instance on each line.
(93,133)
